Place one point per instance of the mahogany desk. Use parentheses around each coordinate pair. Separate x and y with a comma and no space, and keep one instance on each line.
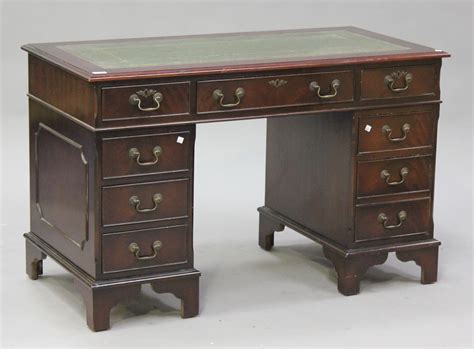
(351,143)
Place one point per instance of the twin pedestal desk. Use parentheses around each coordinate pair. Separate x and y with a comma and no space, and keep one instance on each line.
(351,144)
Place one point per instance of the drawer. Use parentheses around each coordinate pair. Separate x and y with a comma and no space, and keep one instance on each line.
(153,248)
(390,220)
(274,91)
(394,176)
(396,82)
(146,154)
(410,130)
(145,202)
(144,101)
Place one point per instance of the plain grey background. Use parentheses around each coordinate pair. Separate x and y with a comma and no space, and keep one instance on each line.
(249,297)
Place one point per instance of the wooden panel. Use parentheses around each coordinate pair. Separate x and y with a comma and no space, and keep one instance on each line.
(172,156)
(62,168)
(62,191)
(117,209)
(309,175)
(373,137)
(173,253)
(116,104)
(62,90)
(274,91)
(374,85)
(369,227)
(372,176)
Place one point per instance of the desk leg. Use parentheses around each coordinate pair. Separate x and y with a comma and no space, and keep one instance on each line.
(426,258)
(100,300)
(34,260)
(186,289)
(350,269)
(266,232)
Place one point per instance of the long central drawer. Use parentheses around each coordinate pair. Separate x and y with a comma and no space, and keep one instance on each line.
(274,91)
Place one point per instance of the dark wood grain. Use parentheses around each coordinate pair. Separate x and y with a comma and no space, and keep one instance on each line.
(62,185)
(322,166)
(350,269)
(99,302)
(373,85)
(63,90)
(371,183)
(186,289)
(175,147)
(118,210)
(173,253)
(260,93)
(421,132)
(309,175)
(115,101)
(426,258)
(368,227)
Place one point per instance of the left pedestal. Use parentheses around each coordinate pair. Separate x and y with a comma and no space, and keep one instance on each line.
(101,296)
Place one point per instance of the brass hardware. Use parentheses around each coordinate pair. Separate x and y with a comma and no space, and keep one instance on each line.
(218,95)
(136,100)
(135,249)
(390,80)
(278,82)
(382,218)
(387,130)
(135,202)
(314,86)
(385,175)
(135,154)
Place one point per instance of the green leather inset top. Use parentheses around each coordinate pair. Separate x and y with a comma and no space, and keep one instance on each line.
(272,46)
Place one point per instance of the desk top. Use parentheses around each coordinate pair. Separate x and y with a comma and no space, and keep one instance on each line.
(218,53)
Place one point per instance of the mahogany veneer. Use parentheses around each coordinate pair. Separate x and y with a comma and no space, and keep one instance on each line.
(351,146)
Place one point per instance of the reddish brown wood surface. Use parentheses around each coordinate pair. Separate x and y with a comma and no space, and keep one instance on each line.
(117,256)
(370,181)
(369,227)
(421,133)
(323,168)
(116,105)
(290,90)
(176,148)
(374,86)
(118,210)
(84,69)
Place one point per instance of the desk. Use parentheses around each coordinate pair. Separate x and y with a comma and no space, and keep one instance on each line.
(351,144)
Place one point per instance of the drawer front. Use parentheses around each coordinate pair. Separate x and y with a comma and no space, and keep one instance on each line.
(396,82)
(396,132)
(390,220)
(146,154)
(164,247)
(394,176)
(274,91)
(147,202)
(144,101)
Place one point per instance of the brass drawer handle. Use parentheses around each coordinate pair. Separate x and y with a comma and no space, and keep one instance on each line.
(218,95)
(314,86)
(387,130)
(135,154)
(135,202)
(382,218)
(385,175)
(136,100)
(390,80)
(135,249)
